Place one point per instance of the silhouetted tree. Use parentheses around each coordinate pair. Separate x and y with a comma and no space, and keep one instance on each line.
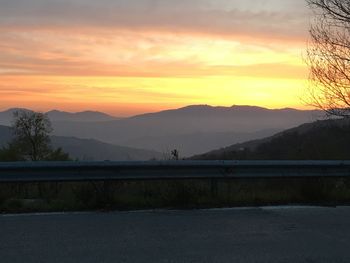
(31,141)
(328,56)
(57,155)
(32,134)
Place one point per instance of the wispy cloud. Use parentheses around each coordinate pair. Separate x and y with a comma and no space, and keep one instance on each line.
(173,44)
(149,55)
(279,19)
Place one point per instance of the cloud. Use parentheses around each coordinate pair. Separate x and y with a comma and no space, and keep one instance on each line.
(137,54)
(146,38)
(63,52)
(257,17)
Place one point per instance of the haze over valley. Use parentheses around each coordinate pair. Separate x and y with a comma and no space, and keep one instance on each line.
(191,130)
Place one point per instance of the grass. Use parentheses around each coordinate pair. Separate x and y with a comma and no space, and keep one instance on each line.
(181,194)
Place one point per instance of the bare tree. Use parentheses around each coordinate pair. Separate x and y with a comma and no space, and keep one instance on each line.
(31,131)
(328,57)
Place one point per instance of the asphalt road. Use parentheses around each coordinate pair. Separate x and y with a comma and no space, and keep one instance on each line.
(237,235)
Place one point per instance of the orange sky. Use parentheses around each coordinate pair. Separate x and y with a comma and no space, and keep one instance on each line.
(128,57)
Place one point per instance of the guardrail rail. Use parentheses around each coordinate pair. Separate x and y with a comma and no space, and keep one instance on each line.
(167,170)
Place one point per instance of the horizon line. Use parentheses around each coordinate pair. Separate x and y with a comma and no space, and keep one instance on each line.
(152,112)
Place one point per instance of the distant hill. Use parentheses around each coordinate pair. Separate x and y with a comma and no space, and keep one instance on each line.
(5,135)
(321,140)
(7,116)
(198,126)
(84,116)
(91,150)
(55,115)
(192,130)
(198,142)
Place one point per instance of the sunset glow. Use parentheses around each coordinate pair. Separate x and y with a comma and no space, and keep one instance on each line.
(68,56)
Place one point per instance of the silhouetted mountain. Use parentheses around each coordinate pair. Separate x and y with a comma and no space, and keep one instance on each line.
(84,116)
(56,116)
(321,140)
(90,150)
(5,135)
(93,150)
(191,130)
(197,126)
(7,116)
(208,111)
(198,142)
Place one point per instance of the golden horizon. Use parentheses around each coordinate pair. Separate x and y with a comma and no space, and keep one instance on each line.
(232,53)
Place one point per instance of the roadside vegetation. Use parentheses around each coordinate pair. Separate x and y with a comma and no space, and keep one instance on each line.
(187,194)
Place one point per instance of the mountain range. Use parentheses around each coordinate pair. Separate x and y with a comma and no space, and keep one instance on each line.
(191,130)
(89,149)
(56,115)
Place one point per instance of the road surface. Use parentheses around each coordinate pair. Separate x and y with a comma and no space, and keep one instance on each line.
(238,235)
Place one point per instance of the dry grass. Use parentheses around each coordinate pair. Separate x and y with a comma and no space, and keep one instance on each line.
(186,194)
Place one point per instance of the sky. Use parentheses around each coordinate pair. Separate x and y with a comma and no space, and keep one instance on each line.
(127,57)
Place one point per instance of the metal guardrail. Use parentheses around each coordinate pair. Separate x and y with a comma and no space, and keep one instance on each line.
(169,170)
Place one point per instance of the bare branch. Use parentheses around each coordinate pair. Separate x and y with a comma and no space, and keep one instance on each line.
(328,57)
